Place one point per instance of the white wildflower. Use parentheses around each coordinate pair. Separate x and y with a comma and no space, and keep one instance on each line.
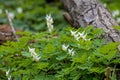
(65,47)
(115,13)
(11,14)
(19,10)
(49,21)
(32,51)
(71,52)
(77,38)
(0,11)
(36,58)
(73,32)
(84,36)
(34,54)
(81,34)
(78,35)
(7,72)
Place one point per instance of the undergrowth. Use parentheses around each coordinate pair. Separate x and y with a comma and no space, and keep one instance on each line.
(61,56)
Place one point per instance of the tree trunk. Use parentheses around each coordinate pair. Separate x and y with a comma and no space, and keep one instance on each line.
(91,12)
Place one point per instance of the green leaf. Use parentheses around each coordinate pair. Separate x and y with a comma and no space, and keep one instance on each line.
(97,69)
(49,49)
(40,65)
(109,51)
(81,59)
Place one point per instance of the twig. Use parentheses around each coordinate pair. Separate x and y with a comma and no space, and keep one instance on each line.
(11,25)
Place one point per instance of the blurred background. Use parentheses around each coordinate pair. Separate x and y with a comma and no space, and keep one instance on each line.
(30,14)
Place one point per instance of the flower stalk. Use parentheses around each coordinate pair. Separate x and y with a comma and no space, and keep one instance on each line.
(49,21)
(34,54)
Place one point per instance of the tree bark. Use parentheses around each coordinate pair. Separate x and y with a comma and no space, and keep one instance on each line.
(91,12)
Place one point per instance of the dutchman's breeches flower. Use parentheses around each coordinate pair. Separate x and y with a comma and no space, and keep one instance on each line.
(34,54)
(66,48)
(49,21)
(77,35)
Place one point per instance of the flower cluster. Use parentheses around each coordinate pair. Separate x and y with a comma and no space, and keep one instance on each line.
(34,54)
(77,35)
(70,51)
(49,21)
